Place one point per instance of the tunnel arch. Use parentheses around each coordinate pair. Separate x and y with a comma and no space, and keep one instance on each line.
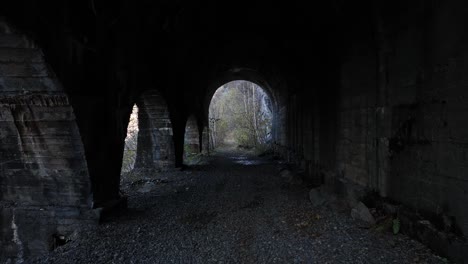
(240,116)
(274,92)
(239,74)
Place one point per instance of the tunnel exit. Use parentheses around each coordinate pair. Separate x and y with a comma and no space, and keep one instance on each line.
(240,117)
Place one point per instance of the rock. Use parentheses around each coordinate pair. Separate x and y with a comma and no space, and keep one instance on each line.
(362,213)
(147,187)
(291,176)
(448,223)
(352,198)
(287,174)
(297,180)
(390,209)
(319,196)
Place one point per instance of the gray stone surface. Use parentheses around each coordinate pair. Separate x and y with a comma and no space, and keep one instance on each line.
(362,213)
(44,182)
(319,197)
(191,138)
(155,137)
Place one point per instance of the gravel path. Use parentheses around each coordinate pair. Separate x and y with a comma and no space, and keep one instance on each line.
(235,210)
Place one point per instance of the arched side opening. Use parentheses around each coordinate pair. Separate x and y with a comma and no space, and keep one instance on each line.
(240,115)
(131,144)
(45,189)
(191,139)
(155,149)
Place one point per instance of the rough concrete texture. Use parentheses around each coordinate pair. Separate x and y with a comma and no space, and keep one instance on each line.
(192,138)
(401,128)
(155,144)
(44,183)
(205,140)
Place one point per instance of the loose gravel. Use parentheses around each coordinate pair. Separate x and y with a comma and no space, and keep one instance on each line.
(236,209)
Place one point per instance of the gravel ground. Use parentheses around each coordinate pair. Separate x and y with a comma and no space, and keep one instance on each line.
(237,209)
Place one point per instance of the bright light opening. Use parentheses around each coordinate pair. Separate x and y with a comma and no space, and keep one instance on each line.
(240,116)
(131,142)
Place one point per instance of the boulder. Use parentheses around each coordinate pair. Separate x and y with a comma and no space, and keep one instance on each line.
(318,197)
(287,174)
(362,213)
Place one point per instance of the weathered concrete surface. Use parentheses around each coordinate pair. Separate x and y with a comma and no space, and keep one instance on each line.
(205,140)
(192,137)
(402,113)
(405,135)
(44,182)
(155,144)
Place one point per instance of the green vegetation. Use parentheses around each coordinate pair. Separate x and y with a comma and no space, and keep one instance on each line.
(131,141)
(240,115)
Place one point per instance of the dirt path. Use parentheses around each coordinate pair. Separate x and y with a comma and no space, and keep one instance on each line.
(237,209)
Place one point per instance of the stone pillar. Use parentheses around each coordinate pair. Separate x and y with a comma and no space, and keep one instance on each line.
(192,138)
(205,140)
(45,188)
(155,148)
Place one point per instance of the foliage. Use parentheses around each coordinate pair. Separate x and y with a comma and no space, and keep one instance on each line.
(131,141)
(240,113)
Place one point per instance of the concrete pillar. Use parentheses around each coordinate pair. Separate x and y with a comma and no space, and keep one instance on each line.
(205,140)
(45,187)
(192,138)
(155,148)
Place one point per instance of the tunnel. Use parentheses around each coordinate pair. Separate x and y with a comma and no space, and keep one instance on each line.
(368,104)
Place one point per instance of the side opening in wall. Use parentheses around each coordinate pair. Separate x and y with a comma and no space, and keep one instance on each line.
(131,145)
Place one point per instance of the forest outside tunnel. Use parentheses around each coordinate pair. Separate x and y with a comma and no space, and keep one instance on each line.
(241,114)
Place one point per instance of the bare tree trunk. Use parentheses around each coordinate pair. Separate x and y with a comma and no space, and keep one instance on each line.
(255,125)
(214,134)
(246,100)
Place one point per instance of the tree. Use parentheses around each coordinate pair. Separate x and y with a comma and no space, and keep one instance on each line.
(240,112)
(131,141)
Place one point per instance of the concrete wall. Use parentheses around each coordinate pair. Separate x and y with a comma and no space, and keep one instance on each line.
(428,91)
(403,110)
(44,183)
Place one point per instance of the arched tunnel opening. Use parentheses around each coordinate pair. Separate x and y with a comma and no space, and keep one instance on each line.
(240,118)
